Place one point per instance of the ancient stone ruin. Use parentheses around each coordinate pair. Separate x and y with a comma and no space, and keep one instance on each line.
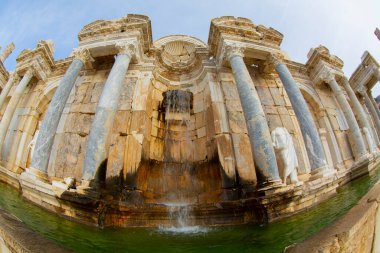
(130,132)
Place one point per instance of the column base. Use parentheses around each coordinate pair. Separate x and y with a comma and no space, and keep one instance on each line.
(363,159)
(272,184)
(36,174)
(86,189)
(322,172)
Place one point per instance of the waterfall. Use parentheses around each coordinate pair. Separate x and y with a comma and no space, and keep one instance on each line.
(177,106)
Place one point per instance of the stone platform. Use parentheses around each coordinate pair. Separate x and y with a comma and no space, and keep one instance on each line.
(262,207)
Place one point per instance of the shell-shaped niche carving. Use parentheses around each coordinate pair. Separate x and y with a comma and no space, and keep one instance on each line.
(178,54)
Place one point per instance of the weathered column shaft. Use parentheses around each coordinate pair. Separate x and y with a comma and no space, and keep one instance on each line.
(8,114)
(374,104)
(7,51)
(357,141)
(96,153)
(372,110)
(4,93)
(358,109)
(53,114)
(259,135)
(309,130)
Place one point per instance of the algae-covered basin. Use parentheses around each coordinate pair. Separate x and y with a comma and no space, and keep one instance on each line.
(248,238)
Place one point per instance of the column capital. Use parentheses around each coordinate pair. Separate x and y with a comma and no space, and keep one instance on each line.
(362,90)
(126,48)
(83,54)
(234,50)
(275,59)
(32,70)
(13,76)
(327,75)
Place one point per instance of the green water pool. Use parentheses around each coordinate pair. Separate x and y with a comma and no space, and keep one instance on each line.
(247,238)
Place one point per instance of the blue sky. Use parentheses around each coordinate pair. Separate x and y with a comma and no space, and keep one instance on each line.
(346,27)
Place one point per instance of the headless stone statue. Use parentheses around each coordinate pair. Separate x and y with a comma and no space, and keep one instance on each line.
(286,154)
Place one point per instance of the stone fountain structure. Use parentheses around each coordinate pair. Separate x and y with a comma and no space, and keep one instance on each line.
(125,128)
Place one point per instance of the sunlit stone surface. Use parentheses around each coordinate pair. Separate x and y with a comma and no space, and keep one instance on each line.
(176,133)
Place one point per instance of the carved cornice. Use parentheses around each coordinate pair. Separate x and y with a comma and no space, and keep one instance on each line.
(241,29)
(40,58)
(322,54)
(118,28)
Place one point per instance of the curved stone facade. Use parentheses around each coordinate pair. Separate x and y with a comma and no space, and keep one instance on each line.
(125,127)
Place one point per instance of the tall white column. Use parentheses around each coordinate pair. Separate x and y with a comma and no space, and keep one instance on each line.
(359,111)
(372,110)
(8,114)
(4,93)
(356,138)
(259,134)
(53,114)
(309,130)
(97,151)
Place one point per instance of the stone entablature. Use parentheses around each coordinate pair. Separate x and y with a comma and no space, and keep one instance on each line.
(105,120)
(367,74)
(100,30)
(41,59)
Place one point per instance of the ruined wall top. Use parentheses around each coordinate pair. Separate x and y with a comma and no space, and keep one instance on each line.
(241,29)
(40,58)
(321,53)
(364,76)
(96,30)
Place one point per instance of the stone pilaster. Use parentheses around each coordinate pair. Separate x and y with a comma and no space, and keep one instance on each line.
(53,114)
(4,93)
(309,131)
(12,105)
(96,153)
(359,111)
(356,138)
(259,135)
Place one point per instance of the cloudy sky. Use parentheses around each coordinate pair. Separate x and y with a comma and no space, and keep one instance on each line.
(346,27)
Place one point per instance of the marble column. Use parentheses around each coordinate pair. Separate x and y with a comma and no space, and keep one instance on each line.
(372,100)
(96,153)
(356,138)
(372,110)
(309,130)
(358,110)
(4,93)
(53,114)
(12,105)
(259,134)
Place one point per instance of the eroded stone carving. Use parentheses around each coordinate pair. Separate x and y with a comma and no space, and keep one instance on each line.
(232,50)
(284,147)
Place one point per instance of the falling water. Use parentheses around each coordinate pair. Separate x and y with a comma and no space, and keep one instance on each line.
(177,115)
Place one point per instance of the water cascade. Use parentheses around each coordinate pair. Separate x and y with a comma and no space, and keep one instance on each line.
(178,148)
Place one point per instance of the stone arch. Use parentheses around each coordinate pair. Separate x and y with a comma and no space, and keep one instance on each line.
(323,124)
